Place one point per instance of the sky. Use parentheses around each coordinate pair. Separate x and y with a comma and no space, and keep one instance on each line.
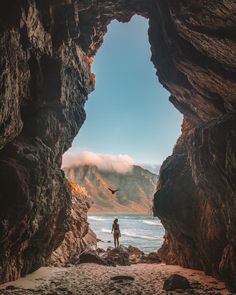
(128,113)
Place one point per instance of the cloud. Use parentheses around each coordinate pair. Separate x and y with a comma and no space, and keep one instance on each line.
(117,163)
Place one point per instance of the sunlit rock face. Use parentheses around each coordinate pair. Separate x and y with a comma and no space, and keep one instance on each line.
(45,79)
(79,237)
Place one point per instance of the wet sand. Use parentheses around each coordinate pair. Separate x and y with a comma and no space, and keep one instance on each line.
(93,279)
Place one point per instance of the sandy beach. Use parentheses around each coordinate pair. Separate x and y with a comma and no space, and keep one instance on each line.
(89,279)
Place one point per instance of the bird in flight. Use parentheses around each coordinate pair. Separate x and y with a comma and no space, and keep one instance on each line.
(113,190)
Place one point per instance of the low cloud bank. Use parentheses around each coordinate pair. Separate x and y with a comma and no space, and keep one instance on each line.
(117,163)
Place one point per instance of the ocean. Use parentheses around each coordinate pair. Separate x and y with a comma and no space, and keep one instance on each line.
(141,231)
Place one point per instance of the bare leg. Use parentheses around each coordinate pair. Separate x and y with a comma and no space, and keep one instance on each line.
(115,241)
(118,243)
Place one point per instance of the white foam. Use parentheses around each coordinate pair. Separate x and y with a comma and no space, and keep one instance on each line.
(127,233)
(104,230)
(152,222)
(136,236)
(97,218)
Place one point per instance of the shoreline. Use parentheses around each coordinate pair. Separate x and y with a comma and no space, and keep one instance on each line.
(142,231)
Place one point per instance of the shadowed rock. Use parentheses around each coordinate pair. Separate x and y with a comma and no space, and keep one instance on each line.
(122,278)
(176,282)
(91,257)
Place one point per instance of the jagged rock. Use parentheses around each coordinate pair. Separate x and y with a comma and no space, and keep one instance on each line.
(176,282)
(91,257)
(117,256)
(138,256)
(152,257)
(79,237)
(100,250)
(135,254)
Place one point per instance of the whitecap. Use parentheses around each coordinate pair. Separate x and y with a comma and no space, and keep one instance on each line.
(105,230)
(136,236)
(96,218)
(152,222)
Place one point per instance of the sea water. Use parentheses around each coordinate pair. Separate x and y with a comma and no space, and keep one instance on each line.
(141,231)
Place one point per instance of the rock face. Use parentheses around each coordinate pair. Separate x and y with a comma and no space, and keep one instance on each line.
(79,237)
(136,188)
(44,85)
(45,79)
(195,198)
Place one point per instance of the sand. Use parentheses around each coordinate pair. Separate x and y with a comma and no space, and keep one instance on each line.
(95,279)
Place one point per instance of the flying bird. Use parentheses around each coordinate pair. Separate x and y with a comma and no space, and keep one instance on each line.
(113,190)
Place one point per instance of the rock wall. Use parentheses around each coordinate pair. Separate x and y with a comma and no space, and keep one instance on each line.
(79,237)
(45,79)
(44,85)
(194,53)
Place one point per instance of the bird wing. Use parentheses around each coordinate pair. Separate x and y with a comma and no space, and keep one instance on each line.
(113,190)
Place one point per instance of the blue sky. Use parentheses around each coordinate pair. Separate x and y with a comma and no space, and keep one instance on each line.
(129,111)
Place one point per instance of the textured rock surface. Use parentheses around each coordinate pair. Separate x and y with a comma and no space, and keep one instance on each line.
(196,192)
(119,255)
(176,282)
(45,79)
(44,85)
(79,237)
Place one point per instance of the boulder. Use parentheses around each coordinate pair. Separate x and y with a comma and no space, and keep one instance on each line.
(119,255)
(152,257)
(127,255)
(135,254)
(91,257)
(176,282)
(100,250)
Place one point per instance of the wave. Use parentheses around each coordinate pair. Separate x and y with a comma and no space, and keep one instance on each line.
(133,235)
(104,230)
(152,222)
(97,218)
(136,236)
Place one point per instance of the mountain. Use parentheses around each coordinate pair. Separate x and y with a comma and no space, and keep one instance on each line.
(136,188)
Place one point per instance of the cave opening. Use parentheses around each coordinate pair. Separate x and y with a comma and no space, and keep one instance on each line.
(129,121)
(193,50)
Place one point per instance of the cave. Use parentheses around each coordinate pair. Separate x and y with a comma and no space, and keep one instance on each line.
(45,80)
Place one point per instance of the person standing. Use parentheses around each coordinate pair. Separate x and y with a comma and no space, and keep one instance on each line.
(116,232)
